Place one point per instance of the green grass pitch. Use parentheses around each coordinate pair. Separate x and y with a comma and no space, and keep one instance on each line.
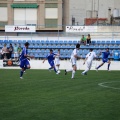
(43,95)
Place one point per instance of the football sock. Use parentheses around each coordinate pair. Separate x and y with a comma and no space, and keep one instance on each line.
(86,70)
(99,66)
(73,73)
(108,66)
(50,68)
(69,70)
(55,69)
(21,73)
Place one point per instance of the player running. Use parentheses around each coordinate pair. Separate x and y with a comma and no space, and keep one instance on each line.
(50,57)
(105,59)
(24,63)
(74,57)
(57,60)
(89,58)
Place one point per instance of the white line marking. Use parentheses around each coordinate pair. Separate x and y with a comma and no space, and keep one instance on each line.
(103,85)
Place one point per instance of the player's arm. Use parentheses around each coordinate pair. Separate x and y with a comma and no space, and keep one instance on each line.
(44,60)
(111,54)
(28,56)
(76,56)
(85,60)
(56,55)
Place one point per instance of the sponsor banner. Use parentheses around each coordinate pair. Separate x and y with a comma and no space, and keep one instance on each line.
(17,28)
(81,28)
(10,63)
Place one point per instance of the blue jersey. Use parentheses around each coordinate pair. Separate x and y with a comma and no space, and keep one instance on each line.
(50,57)
(105,55)
(24,52)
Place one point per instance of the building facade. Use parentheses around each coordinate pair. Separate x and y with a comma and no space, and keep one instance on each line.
(44,14)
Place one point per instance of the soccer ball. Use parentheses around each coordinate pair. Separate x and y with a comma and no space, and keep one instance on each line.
(58,71)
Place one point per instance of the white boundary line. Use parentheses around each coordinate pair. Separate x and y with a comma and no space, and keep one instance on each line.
(105,86)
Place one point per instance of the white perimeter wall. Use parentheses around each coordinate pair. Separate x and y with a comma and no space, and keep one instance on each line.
(66,64)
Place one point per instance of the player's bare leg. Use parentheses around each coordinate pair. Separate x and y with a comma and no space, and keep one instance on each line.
(108,65)
(99,66)
(73,71)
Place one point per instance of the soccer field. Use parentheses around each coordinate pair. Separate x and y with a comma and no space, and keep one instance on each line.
(43,95)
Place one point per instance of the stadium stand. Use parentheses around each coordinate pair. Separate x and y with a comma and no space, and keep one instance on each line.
(40,48)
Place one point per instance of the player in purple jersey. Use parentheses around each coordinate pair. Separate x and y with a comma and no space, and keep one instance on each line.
(50,57)
(24,63)
(105,59)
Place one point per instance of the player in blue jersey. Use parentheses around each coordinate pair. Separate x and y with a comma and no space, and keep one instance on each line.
(50,57)
(105,59)
(24,60)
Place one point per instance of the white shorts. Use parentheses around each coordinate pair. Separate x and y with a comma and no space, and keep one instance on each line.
(57,62)
(74,61)
(15,54)
(89,64)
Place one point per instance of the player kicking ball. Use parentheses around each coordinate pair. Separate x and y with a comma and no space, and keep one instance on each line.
(50,58)
(88,60)
(24,63)
(105,59)
(74,57)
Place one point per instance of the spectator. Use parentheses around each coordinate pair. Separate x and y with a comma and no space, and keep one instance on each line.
(15,51)
(88,39)
(19,50)
(5,52)
(10,51)
(83,40)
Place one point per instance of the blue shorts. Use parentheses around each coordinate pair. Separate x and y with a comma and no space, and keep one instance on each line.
(51,63)
(105,60)
(24,63)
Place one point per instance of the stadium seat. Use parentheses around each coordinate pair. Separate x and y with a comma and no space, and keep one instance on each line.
(53,46)
(75,42)
(93,42)
(38,50)
(118,42)
(47,42)
(60,42)
(102,42)
(98,42)
(56,42)
(113,42)
(101,46)
(6,41)
(36,55)
(108,42)
(65,42)
(42,42)
(52,42)
(70,42)
(37,41)
(1,41)
(23,41)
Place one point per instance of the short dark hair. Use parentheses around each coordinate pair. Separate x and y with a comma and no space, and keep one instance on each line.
(91,49)
(27,44)
(107,48)
(51,50)
(78,45)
